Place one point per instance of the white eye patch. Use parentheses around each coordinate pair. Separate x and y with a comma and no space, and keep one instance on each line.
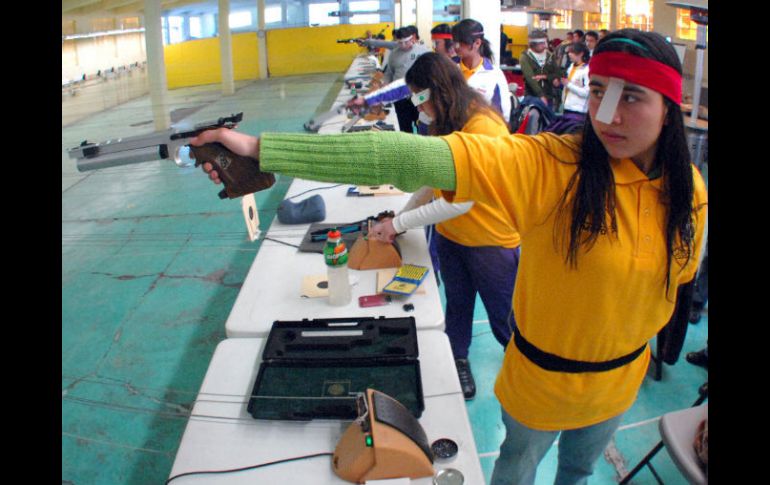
(421,97)
(610,100)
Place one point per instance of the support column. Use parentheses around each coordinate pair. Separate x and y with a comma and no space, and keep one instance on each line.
(261,40)
(407,13)
(156,66)
(226,48)
(425,20)
(186,28)
(488,14)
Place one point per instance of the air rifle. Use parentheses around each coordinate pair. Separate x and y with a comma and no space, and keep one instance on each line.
(240,175)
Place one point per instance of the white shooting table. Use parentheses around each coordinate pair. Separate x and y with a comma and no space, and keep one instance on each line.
(222,435)
(272,289)
(360,64)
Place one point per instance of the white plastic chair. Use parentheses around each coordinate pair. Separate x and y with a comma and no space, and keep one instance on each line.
(677,432)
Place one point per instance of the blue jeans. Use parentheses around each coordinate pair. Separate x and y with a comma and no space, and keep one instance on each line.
(524,448)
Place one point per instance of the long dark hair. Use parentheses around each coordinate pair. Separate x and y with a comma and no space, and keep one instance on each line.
(467,31)
(454,101)
(582,49)
(590,194)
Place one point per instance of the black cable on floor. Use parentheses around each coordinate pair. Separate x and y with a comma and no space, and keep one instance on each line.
(311,190)
(252,467)
(281,242)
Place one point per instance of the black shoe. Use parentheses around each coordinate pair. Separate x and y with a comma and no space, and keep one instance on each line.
(695,315)
(699,358)
(467,384)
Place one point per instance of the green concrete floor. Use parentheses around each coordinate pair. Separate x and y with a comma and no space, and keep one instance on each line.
(152,262)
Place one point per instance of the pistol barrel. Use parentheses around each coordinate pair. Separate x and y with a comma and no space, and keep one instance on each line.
(125,157)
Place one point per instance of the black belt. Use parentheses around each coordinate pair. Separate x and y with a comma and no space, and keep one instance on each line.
(555,363)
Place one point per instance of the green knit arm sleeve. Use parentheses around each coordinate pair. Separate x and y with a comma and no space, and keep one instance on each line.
(366,158)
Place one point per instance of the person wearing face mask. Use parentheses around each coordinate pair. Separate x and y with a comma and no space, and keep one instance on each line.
(612,226)
(538,69)
(477,247)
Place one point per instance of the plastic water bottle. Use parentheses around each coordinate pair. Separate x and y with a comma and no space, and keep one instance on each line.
(336,257)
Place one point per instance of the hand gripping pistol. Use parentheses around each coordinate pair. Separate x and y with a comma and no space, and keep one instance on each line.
(240,175)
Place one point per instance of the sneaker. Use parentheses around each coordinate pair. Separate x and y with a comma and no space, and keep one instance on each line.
(467,384)
(699,358)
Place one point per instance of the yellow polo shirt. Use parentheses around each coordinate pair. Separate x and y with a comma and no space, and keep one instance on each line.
(468,72)
(613,303)
(486,224)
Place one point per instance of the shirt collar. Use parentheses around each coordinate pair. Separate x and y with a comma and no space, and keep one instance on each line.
(467,71)
(626,172)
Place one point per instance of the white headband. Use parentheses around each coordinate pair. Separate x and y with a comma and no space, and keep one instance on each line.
(539,39)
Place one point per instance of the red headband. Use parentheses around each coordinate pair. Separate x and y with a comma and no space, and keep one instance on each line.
(639,70)
(441,36)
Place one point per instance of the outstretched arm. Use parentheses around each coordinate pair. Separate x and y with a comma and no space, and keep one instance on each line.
(368,158)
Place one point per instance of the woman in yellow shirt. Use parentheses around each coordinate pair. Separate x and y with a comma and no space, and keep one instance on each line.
(611,226)
(477,246)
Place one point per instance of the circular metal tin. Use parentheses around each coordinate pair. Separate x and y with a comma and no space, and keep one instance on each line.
(444,448)
(448,476)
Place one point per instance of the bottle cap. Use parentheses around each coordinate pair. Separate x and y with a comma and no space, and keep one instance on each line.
(334,234)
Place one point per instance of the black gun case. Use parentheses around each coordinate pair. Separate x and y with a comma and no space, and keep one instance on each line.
(313,369)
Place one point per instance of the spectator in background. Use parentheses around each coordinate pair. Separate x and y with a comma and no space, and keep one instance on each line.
(561,63)
(538,68)
(505,55)
(603,33)
(578,36)
(575,93)
(591,38)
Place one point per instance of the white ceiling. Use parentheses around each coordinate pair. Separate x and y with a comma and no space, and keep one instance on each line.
(128,7)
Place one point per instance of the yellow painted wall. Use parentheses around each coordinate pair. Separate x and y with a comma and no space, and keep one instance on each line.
(518,36)
(306,50)
(197,62)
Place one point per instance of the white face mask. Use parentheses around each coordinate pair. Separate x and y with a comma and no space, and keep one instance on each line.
(425,119)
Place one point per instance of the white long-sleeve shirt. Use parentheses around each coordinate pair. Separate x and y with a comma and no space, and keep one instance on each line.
(576,91)
(490,81)
(421,210)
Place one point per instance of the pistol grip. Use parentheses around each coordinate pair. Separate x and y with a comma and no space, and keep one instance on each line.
(240,175)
